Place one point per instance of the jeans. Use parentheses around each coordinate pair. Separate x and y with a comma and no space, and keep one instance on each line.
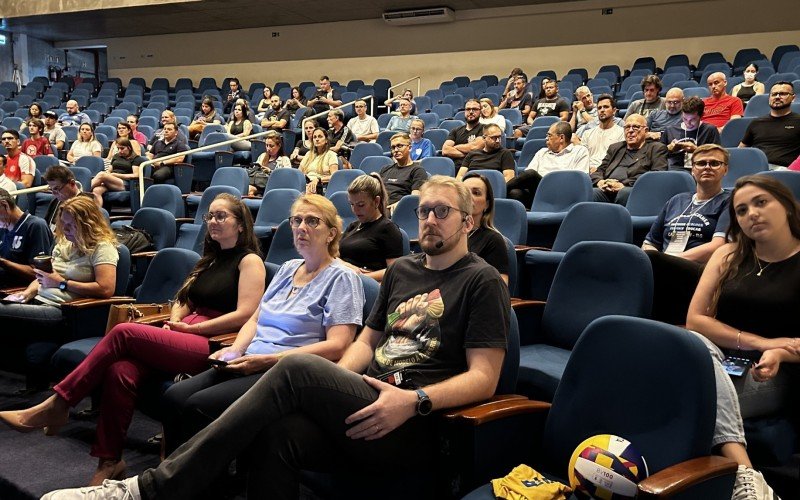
(620,197)
(292,419)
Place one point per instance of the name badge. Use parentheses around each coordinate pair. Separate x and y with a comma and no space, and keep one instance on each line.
(677,243)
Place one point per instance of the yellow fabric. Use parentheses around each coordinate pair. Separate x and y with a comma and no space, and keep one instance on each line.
(524,483)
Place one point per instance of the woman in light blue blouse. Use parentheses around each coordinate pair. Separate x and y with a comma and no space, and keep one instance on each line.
(312,305)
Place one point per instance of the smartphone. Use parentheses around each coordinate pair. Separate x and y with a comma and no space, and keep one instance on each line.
(217,362)
(15,298)
(736,367)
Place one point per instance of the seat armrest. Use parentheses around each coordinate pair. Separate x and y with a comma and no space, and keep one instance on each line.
(497,408)
(80,304)
(153,319)
(184,220)
(9,291)
(682,476)
(115,218)
(217,342)
(144,255)
(523,249)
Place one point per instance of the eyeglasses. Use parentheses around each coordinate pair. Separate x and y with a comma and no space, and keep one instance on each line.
(218,216)
(493,137)
(472,110)
(439,211)
(708,164)
(398,146)
(635,128)
(310,221)
(780,94)
(415,128)
(674,103)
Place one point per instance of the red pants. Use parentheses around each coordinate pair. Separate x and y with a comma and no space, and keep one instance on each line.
(122,360)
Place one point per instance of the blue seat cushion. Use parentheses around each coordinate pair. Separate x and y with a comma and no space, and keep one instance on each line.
(540,369)
(545,218)
(70,355)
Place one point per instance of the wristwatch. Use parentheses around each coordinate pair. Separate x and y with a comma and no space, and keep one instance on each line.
(424,404)
(63,286)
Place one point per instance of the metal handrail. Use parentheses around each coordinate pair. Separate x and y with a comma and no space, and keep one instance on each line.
(371,99)
(419,85)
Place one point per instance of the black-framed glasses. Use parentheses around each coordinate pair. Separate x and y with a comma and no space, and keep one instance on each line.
(473,110)
(398,146)
(708,164)
(217,216)
(780,94)
(439,211)
(310,220)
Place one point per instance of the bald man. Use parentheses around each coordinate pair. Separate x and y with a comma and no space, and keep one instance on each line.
(670,116)
(720,107)
(73,115)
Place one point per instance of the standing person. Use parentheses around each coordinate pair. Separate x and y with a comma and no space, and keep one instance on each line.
(219,295)
(19,167)
(442,316)
(36,144)
(319,163)
(363,126)
(86,145)
(750,86)
(373,242)
(421,147)
(746,297)
(23,236)
(122,168)
(682,140)
(485,240)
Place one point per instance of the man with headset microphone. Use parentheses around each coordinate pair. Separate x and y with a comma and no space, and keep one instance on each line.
(435,339)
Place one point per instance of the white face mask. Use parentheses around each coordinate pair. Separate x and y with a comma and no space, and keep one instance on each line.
(749,76)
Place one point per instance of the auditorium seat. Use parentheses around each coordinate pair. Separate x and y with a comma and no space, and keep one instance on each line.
(744,161)
(439,165)
(374,164)
(733,131)
(649,195)
(275,208)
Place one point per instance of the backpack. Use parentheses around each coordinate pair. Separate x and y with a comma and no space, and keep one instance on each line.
(136,240)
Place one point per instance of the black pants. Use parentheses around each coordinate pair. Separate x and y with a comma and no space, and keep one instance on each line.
(523,187)
(675,281)
(162,174)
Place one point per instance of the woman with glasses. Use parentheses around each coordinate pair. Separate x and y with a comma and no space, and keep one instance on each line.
(122,168)
(269,160)
(86,145)
(313,305)
(319,163)
(421,147)
(490,115)
(124,131)
(690,227)
(484,240)
(219,296)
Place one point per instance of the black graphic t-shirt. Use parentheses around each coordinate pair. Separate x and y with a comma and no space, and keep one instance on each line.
(431,317)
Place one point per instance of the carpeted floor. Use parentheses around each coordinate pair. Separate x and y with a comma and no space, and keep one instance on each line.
(33,464)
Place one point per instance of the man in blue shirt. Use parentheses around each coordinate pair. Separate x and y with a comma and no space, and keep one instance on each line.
(22,237)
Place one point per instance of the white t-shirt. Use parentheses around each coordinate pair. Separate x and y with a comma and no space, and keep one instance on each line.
(7,184)
(79,148)
(597,140)
(497,119)
(359,127)
(573,157)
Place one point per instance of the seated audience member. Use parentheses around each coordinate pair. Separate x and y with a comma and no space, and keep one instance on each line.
(73,116)
(749,87)
(219,295)
(5,182)
(421,147)
(583,108)
(167,116)
(660,120)
(681,140)
(485,241)
(34,112)
(36,144)
(169,145)
(492,156)
(53,131)
(19,167)
(276,117)
(64,186)
(468,137)
(560,154)
(393,103)
(124,131)
(265,103)
(542,83)
(340,139)
(319,163)
(23,236)
(363,126)
(325,99)
(551,104)
(401,121)
(122,169)
(83,265)
(270,159)
(404,176)
(373,242)
(690,227)
(304,143)
(236,92)
(490,114)
(597,137)
(139,137)
(778,133)
(511,81)
(86,145)
(746,297)
(296,102)
(313,305)
(721,107)
(239,126)
(519,97)
(446,302)
(626,161)
(651,87)
(206,116)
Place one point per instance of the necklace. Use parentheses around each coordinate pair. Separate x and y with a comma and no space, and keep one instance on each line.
(761,268)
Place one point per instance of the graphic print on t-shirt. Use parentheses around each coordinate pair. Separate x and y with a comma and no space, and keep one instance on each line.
(415,334)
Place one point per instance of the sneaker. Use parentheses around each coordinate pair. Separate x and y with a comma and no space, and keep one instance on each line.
(751,485)
(127,489)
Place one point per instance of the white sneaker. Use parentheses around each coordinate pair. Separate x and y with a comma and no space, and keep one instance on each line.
(127,489)
(751,485)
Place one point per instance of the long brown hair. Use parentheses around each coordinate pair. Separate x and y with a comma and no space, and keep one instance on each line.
(90,224)
(744,247)
(211,249)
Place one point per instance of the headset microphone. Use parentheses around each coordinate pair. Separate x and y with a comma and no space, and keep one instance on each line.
(439,244)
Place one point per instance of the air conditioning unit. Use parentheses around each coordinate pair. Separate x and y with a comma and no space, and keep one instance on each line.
(420,16)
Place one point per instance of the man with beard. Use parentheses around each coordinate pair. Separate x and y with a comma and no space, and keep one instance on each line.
(466,138)
(597,139)
(551,104)
(437,335)
(404,176)
(778,134)
(276,118)
(493,156)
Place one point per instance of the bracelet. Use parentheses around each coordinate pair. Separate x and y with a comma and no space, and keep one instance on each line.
(738,337)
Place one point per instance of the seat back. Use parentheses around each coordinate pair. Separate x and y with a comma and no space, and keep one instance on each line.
(343,208)
(209,194)
(559,191)
(282,247)
(363,150)
(653,189)
(661,393)
(404,216)
(744,161)
(371,290)
(93,163)
(439,165)
(166,274)
(496,179)
(341,179)
(587,285)
(158,223)
(231,176)
(437,136)
(733,131)
(291,178)
(790,178)
(591,221)
(374,164)
(123,270)
(275,206)
(166,197)
(510,220)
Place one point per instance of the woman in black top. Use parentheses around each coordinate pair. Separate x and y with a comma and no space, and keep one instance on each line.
(240,126)
(219,296)
(744,306)
(373,242)
(124,166)
(303,145)
(485,240)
